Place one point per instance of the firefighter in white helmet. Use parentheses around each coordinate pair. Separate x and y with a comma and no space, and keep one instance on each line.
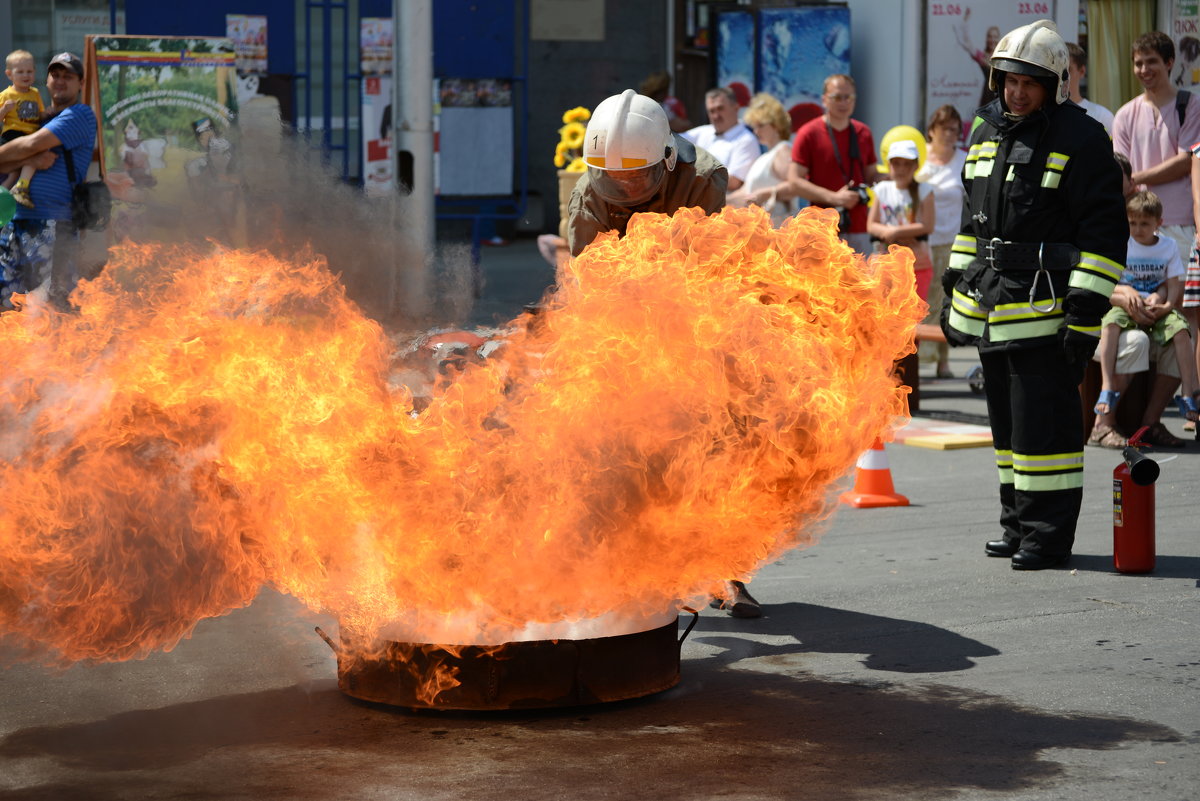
(636,164)
(1040,248)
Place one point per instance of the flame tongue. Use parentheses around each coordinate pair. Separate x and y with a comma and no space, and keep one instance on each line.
(210,424)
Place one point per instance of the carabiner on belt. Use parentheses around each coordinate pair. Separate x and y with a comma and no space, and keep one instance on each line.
(1041,270)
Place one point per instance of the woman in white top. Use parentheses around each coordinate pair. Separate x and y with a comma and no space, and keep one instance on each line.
(943,171)
(766,183)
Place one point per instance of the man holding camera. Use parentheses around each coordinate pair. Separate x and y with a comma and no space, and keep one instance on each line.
(42,242)
(832,162)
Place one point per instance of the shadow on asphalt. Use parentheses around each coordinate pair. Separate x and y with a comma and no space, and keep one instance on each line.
(767,734)
(1165,566)
(780,734)
(891,644)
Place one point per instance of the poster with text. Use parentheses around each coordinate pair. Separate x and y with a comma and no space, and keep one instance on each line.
(960,40)
(248,33)
(378,167)
(167,108)
(73,25)
(375,45)
(1185,32)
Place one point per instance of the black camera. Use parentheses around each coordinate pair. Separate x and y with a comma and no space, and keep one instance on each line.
(864,197)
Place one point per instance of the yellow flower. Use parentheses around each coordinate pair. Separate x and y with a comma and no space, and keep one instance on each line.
(577,114)
(578,165)
(572,134)
(559,160)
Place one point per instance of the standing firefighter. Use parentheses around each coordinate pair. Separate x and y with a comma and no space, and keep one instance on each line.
(636,164)
(1040,248)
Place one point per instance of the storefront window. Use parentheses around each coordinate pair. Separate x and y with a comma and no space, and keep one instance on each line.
(45,28)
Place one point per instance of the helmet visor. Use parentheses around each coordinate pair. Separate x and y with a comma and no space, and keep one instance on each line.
(1022,68)
(627,187)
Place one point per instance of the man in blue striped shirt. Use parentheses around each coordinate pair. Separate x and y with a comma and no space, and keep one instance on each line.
(41,243)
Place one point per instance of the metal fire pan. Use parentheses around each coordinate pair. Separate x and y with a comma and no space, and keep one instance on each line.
(519,675)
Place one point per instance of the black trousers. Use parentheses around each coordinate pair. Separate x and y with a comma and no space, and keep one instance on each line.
(1037,432)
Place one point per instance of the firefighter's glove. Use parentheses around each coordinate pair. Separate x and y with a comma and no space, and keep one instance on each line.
(1078,349)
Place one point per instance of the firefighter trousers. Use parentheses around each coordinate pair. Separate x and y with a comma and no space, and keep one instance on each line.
(1037,432)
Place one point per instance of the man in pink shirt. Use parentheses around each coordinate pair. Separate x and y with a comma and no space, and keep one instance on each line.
(1148,131)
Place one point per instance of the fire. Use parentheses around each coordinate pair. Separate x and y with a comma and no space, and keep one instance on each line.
(209,424)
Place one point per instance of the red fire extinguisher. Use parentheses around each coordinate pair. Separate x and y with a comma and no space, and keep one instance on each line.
(1133,509)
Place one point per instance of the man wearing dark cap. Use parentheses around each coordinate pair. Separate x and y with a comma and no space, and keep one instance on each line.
(41,242)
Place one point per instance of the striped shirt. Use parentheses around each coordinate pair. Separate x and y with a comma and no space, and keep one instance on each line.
(75,127)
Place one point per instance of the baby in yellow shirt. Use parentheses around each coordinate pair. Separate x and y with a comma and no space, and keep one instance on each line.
(22,111)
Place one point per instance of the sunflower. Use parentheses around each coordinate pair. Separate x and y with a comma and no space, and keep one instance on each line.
(577,114)
(573,134)
(578,165)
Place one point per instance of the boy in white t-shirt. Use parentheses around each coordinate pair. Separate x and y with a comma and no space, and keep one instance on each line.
(1154,269)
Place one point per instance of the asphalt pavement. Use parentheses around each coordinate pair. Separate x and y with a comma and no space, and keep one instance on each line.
(894,660)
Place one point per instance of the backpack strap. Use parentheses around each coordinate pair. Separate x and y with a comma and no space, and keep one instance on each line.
(70,165)
(1181,103)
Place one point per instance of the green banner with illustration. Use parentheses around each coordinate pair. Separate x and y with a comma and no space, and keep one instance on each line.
(169,142)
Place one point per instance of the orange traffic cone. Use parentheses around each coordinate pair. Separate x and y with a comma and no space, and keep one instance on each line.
(873,481)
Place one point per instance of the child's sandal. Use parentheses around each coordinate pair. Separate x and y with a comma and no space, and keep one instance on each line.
(1108,399)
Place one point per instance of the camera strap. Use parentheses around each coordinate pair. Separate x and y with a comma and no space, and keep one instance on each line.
(848,174)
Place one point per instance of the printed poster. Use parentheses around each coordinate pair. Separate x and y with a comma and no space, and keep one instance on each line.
(1185,32)
(375,37)
(960,40)
(735,53)
(249,36)
(375,42)
(798,48)
(167,108)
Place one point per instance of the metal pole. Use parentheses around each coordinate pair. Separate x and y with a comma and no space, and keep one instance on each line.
(412,109)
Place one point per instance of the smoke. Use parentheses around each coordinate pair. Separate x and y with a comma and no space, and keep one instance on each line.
(284,198)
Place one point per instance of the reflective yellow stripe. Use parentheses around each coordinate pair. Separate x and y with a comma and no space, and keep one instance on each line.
(1098,264)
(1042,462)
(967,305)
(1057,161)
(1034,482)
(1090,330)
(1050,179)
(964,243)
(1010,332)
(1008,312)
(1094,283)
(1004,466)
(983,168)
(987,150)
(1008,176)
(960,261)
(1046,472)
(968,325)
(1096,273)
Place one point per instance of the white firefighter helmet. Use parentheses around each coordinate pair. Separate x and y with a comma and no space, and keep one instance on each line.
(1035,50)
(628,147)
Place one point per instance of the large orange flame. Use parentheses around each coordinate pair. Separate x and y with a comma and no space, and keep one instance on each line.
(205,425)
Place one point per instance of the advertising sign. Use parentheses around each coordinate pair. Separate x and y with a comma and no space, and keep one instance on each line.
(167,108)
(960,40)
(249,36)
(1185,31)
(375,36)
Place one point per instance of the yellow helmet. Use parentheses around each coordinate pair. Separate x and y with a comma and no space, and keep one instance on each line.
(1035,50)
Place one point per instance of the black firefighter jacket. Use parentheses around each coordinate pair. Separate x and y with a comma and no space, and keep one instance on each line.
(1047,180)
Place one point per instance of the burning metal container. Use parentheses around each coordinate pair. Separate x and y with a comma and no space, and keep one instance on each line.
(638,658)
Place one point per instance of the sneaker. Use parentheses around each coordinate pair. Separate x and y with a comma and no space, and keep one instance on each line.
(21,195)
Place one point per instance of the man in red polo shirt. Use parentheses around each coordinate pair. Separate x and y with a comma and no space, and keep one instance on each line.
(831,168)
